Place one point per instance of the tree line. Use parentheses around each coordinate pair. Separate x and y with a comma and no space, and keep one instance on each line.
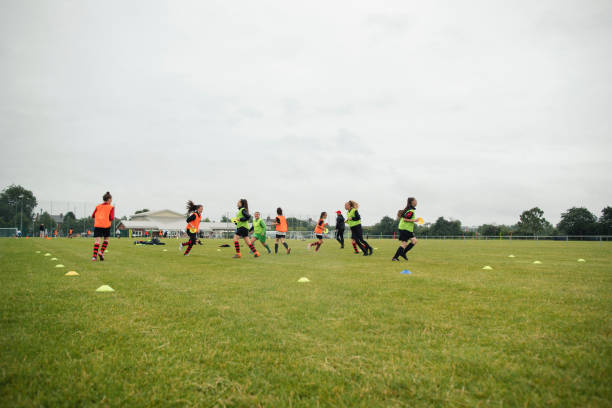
(17,206)
(574,221)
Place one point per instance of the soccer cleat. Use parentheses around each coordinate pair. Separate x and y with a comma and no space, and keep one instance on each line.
(371,251)
(185,254)
(101,257)
(257,254)
(181,246)
(237,256)
(94,259)
(269,252)
(395,259)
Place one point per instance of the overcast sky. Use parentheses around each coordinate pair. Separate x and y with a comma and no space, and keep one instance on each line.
(480,109)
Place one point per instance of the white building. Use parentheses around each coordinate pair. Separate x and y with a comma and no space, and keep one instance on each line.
(173,222)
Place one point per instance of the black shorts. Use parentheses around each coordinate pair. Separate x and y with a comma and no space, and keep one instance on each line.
(242,232)
(101,232)
(405,235)
(357,232)
(280,235)
(319,236)
(193,237)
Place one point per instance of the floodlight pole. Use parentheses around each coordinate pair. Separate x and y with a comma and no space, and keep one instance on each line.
(21,215)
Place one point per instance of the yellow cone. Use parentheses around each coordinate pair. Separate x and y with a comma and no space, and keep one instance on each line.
(59,266)
(581,260)
(487,268)
(71,273)
(53,259)
(537,262)
(47,254)
(105,288)
(511,256)
(38,252)
(303,280)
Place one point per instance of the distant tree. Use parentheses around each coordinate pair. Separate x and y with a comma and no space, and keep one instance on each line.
(225,219)
(445,227)
(533,222)
(142,211)
(489,229)
(69,216)
(46,219)
(578,221)
(605,221)
(17,206)
(386,226)
(206,219)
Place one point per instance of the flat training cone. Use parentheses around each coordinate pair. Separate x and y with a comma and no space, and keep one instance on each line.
(47,254)
(38,252)
(537,262)
(303,280)
(59,266)
(105,288)
(511,256)
(71,273)
(405,272)
(581,260)
(53,259)
(487,268)
(165,250)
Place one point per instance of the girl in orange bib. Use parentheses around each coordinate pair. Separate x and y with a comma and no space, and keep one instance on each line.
(193,226)
(319,230)
(280,222)
(103,215)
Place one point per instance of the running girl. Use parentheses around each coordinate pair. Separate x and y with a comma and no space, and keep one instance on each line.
(259,231)
(281,230)
(353,219)
(242,228)
(406,229)
(319,229)
(103,215)
(193,225)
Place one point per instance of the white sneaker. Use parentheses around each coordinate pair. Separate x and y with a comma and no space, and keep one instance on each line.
(181,246)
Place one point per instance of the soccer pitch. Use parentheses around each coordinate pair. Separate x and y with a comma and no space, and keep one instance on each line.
(209,330)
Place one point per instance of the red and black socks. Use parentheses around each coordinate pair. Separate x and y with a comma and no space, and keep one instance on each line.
(95,250)
(355,247)
(252,248)
(104,245)
(237,246)
(189,246)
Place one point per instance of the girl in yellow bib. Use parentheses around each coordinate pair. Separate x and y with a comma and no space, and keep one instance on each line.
(193,226)
(353,219)
(242,228)
(407,239)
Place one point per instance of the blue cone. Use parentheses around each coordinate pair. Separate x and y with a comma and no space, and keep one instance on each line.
(406,272)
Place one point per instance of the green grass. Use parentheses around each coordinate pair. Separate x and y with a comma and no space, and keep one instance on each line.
(209,330)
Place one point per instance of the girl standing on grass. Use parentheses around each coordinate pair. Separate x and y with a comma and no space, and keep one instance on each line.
(353,219)
(103,215)
(193,226)
(281,230)
(406,229)
(319,228)
(259,231)
(242,228)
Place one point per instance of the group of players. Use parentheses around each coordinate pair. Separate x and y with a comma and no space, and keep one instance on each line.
(104,214)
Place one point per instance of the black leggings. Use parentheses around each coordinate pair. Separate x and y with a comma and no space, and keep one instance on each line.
(357,235)
(340,236)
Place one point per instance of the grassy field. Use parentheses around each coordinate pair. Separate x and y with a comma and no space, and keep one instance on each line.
(208,330)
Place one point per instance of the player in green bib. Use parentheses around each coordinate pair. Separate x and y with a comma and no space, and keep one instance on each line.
(242,228)
(259,231)
(407,239)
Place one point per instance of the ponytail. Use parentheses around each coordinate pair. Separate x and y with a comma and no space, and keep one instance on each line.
(400,213)
(191,206)
(107,196)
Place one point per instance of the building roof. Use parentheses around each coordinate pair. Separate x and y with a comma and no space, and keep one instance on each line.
(157,214)
(178,225)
